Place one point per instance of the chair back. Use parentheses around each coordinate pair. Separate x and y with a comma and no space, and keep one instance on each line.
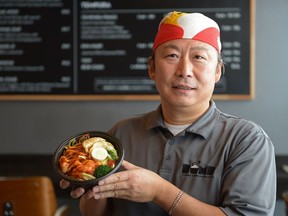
(22,196)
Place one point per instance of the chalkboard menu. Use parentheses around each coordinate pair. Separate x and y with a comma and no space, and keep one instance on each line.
(74,49)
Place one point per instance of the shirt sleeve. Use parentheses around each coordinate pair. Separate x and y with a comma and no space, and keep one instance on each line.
(249,180)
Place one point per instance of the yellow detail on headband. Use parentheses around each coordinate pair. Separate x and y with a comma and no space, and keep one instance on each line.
(173,17)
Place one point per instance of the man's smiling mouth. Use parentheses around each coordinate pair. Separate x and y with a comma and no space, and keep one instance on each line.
(184,87)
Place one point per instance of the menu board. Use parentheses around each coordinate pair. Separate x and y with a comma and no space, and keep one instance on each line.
(76,49)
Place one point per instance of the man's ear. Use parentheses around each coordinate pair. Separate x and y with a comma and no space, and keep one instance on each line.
(151,68)
(219,71)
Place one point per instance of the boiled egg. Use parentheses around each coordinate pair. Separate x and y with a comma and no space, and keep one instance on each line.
(99,153)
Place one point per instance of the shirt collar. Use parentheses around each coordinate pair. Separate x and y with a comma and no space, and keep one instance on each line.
(203,126)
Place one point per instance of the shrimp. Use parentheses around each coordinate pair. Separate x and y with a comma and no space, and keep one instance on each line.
(64,163)
(87,166)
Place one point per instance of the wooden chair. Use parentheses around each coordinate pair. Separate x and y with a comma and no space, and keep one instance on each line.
(285,198)
(33,196)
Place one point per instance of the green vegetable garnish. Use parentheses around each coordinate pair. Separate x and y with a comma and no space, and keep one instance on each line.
(113,154)
(102,170)
(72,142)
(87,176)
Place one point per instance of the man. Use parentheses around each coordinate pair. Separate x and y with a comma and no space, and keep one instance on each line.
(187,157)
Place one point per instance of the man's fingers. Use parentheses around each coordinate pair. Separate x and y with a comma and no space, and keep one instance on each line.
(116,177)
(128,166)
(111,186)
(111,193)
(119,176)
(64,184)
(89,194)
(78,192)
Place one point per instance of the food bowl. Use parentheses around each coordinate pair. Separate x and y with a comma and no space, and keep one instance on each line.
(79,138)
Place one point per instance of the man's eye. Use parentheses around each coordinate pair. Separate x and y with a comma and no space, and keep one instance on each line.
(198,57)
(172,56)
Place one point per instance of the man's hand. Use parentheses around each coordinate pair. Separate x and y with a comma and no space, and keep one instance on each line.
(135,183)
(77,192)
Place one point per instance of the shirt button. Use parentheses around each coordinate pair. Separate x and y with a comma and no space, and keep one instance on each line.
(171,142)
(168,157)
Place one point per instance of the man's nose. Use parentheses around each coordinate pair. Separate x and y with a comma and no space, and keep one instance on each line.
(185,68)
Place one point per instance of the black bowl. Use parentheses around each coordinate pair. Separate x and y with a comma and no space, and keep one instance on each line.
(87,184)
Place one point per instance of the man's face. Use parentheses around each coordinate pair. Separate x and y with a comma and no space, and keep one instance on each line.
(185,72)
